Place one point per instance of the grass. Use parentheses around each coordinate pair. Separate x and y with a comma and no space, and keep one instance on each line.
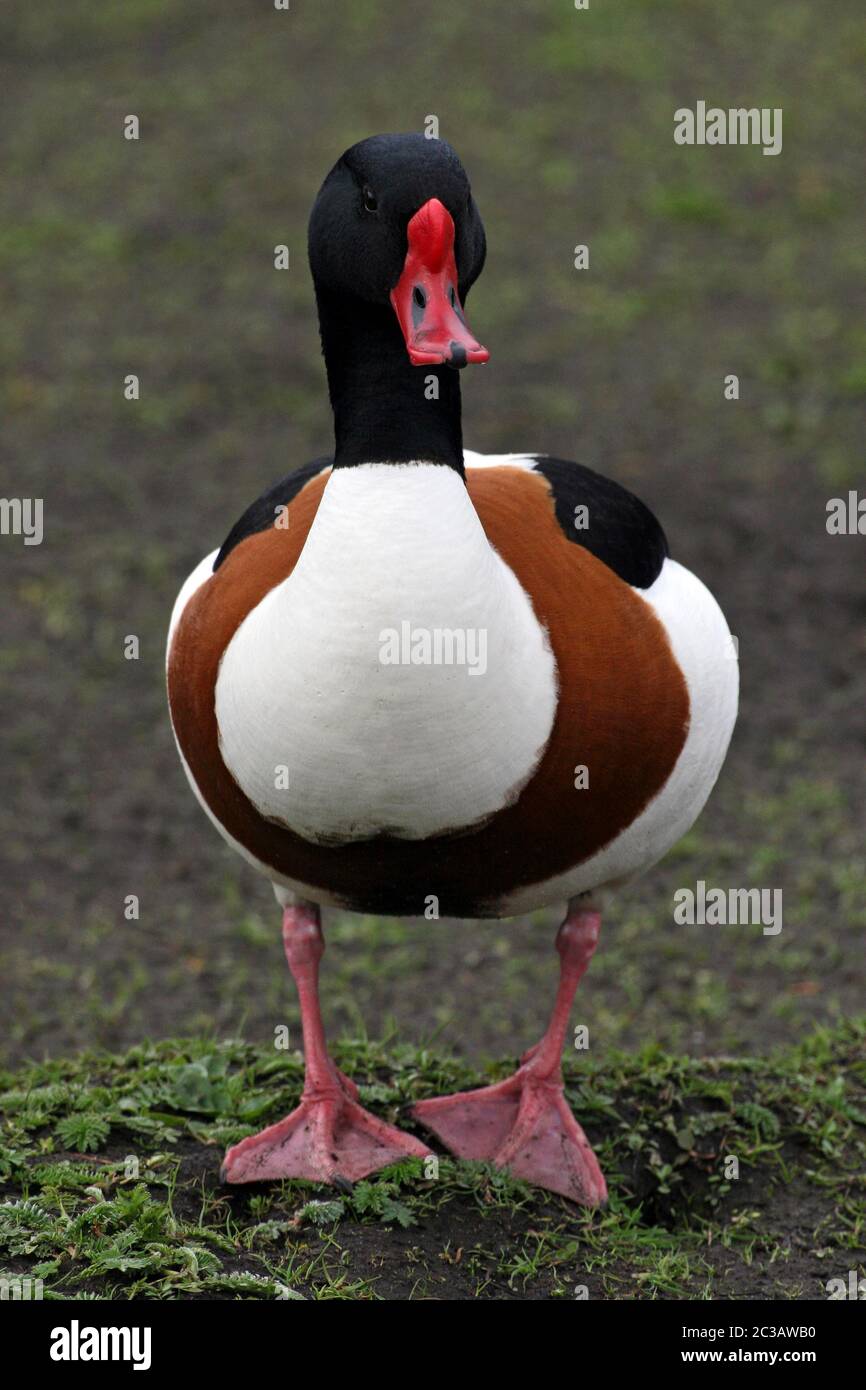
(110,1188)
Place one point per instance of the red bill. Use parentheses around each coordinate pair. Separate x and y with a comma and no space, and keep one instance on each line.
(425,298)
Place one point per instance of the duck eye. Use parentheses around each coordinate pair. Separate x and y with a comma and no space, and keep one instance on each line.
(370,201)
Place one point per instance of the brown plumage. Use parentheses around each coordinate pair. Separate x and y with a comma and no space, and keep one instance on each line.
(623,712)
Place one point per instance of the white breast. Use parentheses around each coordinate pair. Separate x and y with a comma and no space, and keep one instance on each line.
(325,732)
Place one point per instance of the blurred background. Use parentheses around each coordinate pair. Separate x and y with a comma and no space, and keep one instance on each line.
(155,257)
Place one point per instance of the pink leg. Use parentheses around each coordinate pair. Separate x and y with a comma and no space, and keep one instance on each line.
(524,1123)
(329,1136)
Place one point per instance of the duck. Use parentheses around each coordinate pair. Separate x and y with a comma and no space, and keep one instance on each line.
(418,680)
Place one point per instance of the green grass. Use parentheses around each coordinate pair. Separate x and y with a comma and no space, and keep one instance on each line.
(110,1185)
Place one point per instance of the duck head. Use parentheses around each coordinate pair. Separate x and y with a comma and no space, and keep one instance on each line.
(395,225)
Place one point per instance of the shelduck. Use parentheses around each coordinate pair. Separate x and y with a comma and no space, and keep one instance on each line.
(412,673)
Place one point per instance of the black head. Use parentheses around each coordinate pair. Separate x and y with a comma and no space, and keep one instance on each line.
(395,224)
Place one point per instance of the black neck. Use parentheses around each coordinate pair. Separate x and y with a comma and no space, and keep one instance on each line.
(381,409)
